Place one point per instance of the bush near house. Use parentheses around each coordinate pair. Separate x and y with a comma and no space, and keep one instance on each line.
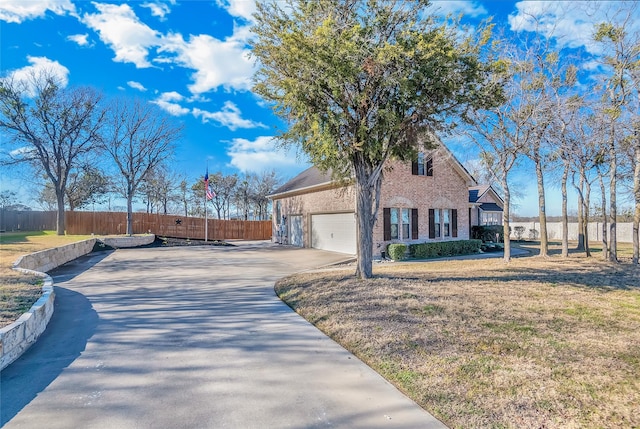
(494,233)
(398,252)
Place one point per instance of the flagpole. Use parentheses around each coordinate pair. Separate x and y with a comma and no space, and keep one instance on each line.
(206,222)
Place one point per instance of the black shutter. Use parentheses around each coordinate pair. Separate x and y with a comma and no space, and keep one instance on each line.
(386,222)
(414,224)
(414,168)
(432,225)
(454,222)
(430,166)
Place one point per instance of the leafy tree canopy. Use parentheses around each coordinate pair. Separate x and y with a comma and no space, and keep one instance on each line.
(365,78)
(362,81)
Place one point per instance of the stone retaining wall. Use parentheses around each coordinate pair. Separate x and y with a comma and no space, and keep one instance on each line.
(20,335)
(47,260)
(122,242)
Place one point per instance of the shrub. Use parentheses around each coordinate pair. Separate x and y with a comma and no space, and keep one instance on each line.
(397,252)
(518,231)
(488,232)
(444,248)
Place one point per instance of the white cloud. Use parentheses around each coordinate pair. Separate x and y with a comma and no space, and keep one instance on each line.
(239,8)
(158,9)
(168,101)
(570,23)
(229,116)
(471,8)
(40,65)
(136,85)
(260,155)
(120,28)
(216,62)
(17,11)
(80,39)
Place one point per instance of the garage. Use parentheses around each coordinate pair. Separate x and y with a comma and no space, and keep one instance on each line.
(295,231)
(335,232)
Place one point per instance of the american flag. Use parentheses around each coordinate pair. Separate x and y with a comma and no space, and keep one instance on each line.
(207,190)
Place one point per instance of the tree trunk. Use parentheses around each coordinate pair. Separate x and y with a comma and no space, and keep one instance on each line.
(60,217)
(367,193)
(605,245)
(129,215)
(585,213)
(544,241)
(505,217)
(636,215)
(581,226)
(565,217)
(613,211)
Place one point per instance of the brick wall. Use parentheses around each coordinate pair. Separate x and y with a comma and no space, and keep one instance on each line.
(327,200)
(446,189)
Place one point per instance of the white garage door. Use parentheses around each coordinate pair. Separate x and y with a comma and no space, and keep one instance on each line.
(334,232)
(295,230)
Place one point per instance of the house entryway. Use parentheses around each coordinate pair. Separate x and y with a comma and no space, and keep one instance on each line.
(296,231)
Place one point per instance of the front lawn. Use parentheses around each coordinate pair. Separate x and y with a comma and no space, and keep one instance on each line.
(18,292)
(479,343)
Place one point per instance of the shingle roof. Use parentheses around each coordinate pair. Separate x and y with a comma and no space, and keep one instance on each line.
(476,192)
(490,207)
(310,177)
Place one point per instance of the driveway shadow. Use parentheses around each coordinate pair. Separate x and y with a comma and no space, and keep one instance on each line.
(73,322)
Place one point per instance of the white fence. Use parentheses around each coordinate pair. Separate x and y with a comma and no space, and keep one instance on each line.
(624,231)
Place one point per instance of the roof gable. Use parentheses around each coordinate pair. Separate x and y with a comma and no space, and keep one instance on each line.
(312,178)
(308,179)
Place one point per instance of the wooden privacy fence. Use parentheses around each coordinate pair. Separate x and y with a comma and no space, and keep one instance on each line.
(105,223)
(27,220)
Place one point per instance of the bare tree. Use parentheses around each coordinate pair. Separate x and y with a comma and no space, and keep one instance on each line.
(56,127)
(621,47)
(265,184)
(224,187)
(586,154)
(86,186)
(140,137)
(160,187)
(244,195)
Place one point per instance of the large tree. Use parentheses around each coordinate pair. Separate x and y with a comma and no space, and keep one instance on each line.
(139,138)
(620,42)
(55,126)
(360,82)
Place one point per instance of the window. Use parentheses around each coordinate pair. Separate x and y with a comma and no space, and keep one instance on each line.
(443,223)
(394,224)
(405,224)
(446,224)
(491,218)
(400,224)
(423,166)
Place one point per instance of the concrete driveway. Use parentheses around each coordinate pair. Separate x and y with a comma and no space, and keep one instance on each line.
(192,338)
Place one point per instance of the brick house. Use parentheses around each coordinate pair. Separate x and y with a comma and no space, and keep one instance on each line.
(421,201)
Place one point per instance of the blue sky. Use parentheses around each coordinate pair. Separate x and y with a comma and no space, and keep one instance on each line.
(192,58)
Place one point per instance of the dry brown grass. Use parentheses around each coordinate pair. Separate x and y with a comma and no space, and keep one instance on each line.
(19,291)
(536,343)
